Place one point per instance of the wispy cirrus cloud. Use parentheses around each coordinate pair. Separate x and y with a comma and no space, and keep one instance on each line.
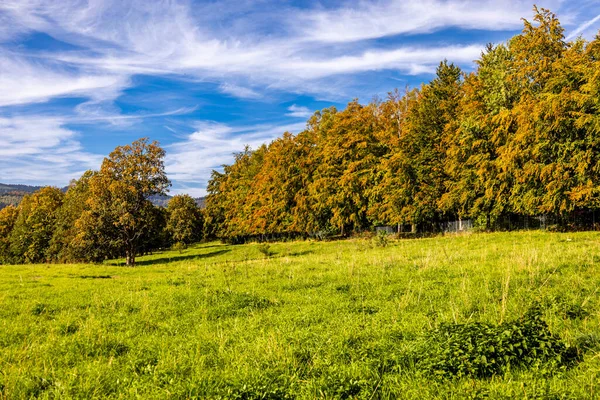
(242,49)
(34,150)
(123,38)
(239,91)
(584,27)
(139,37)
(213,144)
(370,20)
(298,111)
(28,81)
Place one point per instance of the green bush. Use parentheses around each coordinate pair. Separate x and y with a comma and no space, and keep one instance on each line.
(483,350)
(381,239)
(265,249)
(180,247)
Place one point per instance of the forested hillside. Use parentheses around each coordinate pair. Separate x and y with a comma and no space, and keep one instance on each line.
(518,136)
(12,194)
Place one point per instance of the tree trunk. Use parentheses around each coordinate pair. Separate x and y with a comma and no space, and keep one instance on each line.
(413,228)
(130,256)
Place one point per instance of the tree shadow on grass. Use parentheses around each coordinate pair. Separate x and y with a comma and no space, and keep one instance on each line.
(299,253)
(183,257)
(202,246)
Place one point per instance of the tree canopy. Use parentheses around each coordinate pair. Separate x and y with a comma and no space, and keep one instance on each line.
(104,214)
(519,135)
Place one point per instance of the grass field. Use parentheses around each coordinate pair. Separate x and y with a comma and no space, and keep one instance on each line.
(343,319)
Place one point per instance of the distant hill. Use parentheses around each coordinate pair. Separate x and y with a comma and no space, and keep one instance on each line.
(163,200)
(11,194)
(20,188)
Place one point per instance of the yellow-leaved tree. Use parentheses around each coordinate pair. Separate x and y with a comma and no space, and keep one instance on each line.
(119,212)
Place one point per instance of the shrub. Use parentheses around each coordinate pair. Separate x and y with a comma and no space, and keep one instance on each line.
(179,246)
(483,350)
(381,239)
(265,249)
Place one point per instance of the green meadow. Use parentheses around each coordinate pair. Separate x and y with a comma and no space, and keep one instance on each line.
(356,318)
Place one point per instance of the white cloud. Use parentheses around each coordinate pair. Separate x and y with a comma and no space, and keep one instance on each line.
(41,150)
(369,20)
(122,38)
(163,37)
(298,112)
(23,82)
(408,60)
(584,27)
(239,91)
(95,115)
(213,144)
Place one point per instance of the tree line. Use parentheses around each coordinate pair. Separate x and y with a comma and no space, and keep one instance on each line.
(519,135)
(104,214)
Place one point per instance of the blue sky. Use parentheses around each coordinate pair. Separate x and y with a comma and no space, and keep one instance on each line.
(78,78)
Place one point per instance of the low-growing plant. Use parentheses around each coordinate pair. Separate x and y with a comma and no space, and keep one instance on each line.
(225,304)
(180,247)
(483,350)
(261,388)
(381,239)
(265,249)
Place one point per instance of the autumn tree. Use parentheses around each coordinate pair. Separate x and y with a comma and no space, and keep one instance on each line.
(586,159)
(34,226)
(387,196)
(312,214)
(118,209)
(421,168)
(356,146)
(214,210)
(63,246)
(530,147)
(227,208)
(8,217)
(519,135)
(477,184)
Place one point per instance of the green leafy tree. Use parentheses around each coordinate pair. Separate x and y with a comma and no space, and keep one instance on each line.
(421,169)
(184,221)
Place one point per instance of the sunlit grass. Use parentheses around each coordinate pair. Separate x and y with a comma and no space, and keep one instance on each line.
(313,320)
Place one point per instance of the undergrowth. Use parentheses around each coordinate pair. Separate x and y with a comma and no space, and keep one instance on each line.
(483,350)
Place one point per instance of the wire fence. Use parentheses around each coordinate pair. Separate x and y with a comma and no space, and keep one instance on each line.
(580,220)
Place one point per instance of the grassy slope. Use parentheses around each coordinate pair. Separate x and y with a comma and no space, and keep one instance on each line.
(315,320)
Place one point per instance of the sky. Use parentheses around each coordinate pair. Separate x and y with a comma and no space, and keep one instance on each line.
(206,78)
